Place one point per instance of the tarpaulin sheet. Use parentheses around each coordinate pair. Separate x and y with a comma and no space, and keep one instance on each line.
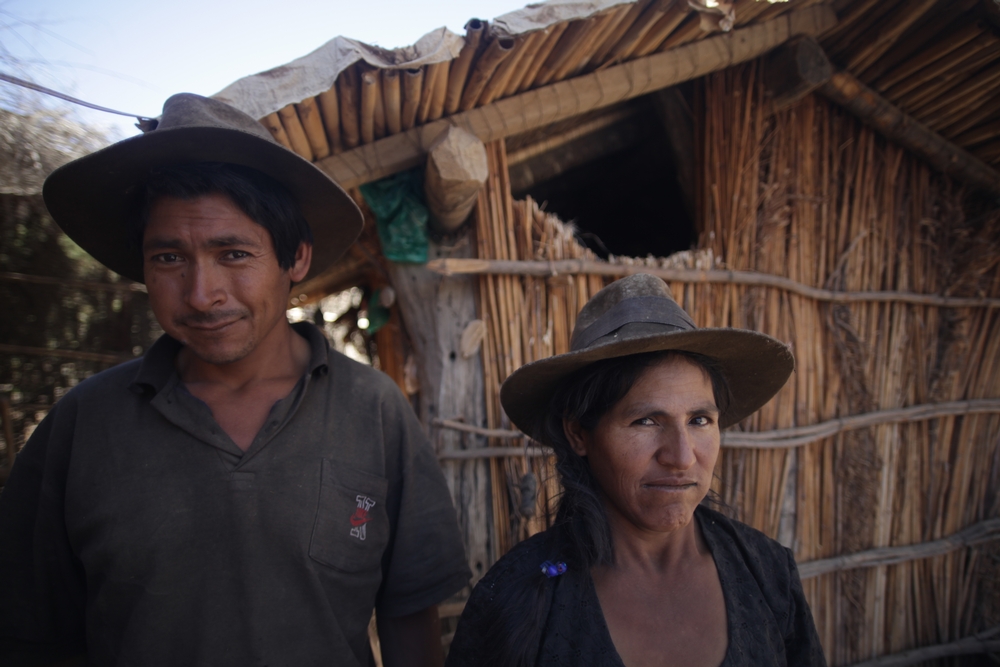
(261,94)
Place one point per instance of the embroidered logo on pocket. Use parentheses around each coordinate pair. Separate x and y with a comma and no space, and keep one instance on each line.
(360,518)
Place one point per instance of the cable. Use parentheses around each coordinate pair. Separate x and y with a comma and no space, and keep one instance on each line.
(48,91)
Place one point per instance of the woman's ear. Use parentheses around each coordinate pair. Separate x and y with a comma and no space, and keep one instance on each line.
(576,436)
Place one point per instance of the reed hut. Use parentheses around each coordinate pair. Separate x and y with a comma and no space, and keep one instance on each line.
(825,172)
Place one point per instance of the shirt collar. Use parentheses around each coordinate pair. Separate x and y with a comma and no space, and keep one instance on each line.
(157,365)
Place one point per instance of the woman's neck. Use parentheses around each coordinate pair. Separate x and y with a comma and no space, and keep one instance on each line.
(652,551)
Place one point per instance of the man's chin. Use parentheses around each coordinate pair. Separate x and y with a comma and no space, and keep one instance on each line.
(218,355)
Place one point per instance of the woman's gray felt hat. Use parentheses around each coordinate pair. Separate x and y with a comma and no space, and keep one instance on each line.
(638,314)
(95,197)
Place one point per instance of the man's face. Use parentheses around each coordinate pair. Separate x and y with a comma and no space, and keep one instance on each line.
(213,277)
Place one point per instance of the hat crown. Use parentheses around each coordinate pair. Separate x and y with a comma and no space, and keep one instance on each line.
(190,110)
(637,299)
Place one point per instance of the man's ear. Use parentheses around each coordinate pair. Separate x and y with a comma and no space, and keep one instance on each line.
(576,436)
(303,260)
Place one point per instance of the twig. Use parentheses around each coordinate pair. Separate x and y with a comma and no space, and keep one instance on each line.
(66,354)
(787,438)
(77,284)
(450,267)
(978,533)
(978,643)
(494,452)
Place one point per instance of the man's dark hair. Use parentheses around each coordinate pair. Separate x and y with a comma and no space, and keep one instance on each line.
(263,199)
(580,535)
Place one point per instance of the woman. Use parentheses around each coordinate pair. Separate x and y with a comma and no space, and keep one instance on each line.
(636,570)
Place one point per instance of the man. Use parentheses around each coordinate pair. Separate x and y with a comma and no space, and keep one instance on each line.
(242,495)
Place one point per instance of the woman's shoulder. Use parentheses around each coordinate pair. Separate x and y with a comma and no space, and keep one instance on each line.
(734,543)
(524,558)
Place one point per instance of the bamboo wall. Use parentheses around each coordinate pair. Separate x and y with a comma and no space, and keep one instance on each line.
(811,195)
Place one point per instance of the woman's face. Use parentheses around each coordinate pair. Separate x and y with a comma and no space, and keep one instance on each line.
(654,452)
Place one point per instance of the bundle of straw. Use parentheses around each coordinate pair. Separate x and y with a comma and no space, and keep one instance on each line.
(812,195)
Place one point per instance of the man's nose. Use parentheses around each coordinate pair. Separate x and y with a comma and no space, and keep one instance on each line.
(205,286)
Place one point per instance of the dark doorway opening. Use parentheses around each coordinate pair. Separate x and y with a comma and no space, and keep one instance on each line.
(618,185)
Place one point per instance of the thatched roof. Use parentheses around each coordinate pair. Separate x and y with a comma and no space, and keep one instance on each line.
(934,59)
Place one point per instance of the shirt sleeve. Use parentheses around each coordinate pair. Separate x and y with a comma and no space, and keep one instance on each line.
(802,647)
(42,584)
(424,562)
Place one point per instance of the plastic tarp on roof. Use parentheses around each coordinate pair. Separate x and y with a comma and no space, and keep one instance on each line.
(261,94)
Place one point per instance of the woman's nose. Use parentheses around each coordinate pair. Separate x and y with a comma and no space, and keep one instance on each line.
(676,449)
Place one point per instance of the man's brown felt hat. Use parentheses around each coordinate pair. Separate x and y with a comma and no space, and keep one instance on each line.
(94,198)
(637,314)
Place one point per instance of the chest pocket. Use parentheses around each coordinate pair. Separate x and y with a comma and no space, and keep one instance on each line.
(352,525)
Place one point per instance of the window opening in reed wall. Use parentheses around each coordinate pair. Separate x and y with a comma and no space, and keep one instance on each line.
(617,183)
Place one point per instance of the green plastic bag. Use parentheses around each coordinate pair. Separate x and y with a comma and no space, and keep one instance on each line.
(398,205)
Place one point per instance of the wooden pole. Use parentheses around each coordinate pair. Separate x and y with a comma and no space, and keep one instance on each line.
(413,82)
(978,533)
(8,436)
(369,97)
(103,357)
(348,95)
(573,97)
(599,268)
(890,121)
(392,99)
(495,53)
(330,109)
(795,69)
(74,284)
(273,124)
(312,124)
(984,642)
(460,67)
(456,169)
(296,134)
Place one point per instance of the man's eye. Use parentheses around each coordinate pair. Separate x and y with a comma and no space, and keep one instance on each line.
(237,254)
(166,258)
(701,420)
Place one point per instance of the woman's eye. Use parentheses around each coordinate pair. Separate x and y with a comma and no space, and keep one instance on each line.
(643,421)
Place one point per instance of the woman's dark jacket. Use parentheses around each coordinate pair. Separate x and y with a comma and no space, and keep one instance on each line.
(769,622)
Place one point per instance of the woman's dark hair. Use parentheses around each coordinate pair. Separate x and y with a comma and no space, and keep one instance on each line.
(580,535)
(263,199)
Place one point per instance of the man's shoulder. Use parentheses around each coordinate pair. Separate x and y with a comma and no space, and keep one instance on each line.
(361,380)
(107,386)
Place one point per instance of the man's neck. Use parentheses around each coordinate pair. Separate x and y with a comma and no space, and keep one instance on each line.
(281,354)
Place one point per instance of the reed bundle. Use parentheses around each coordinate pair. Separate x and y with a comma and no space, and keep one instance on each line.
(527,318)
(812,195)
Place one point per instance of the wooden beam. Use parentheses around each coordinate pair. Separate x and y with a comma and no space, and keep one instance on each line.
(795,69)
(543,268)
(886,118)
(982,642)
(575,96)
(978,533)
(456,169)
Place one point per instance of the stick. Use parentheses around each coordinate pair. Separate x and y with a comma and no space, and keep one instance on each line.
(566,99)
(330,109)
(273,123)
(977,533)
(296,134)
(392,101)
(459,72)
(413,82)
(312,123)
(966,646)
(347,93)
(496,52)
(450,267)
(369,85)
(76,284)
(439,93)
(878,112)
(102,357)
(495,453)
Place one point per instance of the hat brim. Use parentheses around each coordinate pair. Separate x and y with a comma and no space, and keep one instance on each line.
(94,197)
(755,365)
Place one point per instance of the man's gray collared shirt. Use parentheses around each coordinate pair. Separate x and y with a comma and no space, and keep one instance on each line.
(133,523)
